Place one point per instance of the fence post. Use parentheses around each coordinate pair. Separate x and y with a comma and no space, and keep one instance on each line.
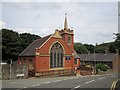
(10,68)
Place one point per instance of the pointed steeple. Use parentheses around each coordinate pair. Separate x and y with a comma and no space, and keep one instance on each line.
(65,23)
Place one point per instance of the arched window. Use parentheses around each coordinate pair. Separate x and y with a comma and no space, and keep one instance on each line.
(69,40)
(56,56)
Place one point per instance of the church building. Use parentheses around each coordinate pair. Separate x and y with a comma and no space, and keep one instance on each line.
(53,53)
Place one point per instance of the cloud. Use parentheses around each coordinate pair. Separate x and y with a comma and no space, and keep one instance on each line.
(2,24)
(41,32)
(92,22)
(23,30)
(44,31)
(20,30)
(59,0)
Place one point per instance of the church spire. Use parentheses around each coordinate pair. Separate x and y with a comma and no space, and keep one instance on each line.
(65,23)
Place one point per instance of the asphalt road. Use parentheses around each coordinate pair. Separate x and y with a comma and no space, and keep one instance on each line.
(118,85)
(68,83)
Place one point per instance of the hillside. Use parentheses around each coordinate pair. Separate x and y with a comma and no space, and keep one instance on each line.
(14,43)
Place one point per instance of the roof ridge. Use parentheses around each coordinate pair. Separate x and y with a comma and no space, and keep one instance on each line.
(37,43)
(43,37)
(26,48)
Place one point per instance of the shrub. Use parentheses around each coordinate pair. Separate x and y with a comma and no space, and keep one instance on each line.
(102,67)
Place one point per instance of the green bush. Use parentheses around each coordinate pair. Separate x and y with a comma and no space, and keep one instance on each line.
(102,67)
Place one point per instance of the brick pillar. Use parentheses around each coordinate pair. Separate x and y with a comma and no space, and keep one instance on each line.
(78,62)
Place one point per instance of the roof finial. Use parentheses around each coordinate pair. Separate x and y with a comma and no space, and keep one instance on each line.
(65,23)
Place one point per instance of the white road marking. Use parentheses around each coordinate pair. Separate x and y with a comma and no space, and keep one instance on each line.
(89,81)
(33,85)
(38,84)
(77,86)
(46,82)
(15,82)
(101,78)
(64,79)
(112,76)
(57,80)
(24,87)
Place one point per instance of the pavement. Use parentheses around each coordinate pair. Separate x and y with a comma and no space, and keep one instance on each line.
(66,82)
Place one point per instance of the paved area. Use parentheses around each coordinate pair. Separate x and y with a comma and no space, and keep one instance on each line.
(70,83)
(118,85)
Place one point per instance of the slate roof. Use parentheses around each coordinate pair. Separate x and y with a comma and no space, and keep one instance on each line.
(98,57)
(76,55)
(30,50)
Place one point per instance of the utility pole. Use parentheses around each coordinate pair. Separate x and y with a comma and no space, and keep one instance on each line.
(94,62)
(117,50)
(10,68)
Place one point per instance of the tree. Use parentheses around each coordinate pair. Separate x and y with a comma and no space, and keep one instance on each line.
(113,47)
(26,39)
(102,48)
(14,43)
(102,67)
(116,44)
(90,47)
(117,41)
(10,44)
(80,48)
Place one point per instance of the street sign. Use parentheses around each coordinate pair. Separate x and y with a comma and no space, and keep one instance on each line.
(20,75)
(67,57)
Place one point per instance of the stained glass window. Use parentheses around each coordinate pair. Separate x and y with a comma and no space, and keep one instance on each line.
(56,56)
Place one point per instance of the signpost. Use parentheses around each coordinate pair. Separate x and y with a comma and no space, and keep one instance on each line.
(94,62)
(10,69)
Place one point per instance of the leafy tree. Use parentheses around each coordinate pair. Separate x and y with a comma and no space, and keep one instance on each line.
(80,48)
(116,44)
(90,47)
(102,67)
(0,45)
(117,41)
(102,48)
(14,43)
(10,44)
(113,47)
(26,39)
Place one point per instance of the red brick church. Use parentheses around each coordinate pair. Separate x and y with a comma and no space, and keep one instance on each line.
(53,53)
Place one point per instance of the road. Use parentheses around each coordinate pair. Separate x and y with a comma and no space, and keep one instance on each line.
(118,85)
(68,83)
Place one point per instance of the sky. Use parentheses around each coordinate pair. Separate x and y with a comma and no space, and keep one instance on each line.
(92,22)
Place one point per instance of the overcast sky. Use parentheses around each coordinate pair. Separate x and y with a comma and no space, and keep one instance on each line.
(93,22)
